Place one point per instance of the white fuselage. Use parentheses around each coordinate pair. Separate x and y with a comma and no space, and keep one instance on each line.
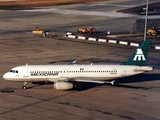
(54,73)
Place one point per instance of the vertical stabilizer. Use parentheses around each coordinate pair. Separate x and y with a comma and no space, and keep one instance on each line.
(139,56)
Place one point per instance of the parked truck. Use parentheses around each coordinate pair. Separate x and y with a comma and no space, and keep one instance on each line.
(153,31)
(87,30)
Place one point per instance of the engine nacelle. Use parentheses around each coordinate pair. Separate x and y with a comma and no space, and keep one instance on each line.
(63,85)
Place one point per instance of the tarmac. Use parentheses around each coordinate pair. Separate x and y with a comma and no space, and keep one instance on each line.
(131,98)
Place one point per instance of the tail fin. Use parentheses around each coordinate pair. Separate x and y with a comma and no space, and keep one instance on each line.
(139,56)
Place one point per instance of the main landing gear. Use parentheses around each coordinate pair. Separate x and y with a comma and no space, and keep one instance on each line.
(24,86)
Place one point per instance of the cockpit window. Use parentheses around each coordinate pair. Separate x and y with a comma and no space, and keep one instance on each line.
(14,71)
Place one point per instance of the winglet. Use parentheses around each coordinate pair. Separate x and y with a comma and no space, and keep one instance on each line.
(112,82)
(72,62)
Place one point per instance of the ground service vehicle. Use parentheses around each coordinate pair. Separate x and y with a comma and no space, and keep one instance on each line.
(87,30)
(37,31)
(49,34)
(153,31)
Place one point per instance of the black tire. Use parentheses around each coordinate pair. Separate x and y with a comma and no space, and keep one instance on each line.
(23,87)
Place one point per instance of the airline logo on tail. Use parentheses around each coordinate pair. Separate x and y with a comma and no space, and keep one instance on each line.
(139,55)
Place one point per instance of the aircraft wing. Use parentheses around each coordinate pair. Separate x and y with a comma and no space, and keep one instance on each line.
(55,79)
(93,81)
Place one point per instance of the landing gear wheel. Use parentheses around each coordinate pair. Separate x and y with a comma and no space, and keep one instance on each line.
(23,87)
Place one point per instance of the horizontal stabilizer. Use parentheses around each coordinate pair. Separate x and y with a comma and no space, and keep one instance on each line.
(144,68)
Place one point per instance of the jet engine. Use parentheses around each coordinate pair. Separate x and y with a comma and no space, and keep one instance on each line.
(63,85)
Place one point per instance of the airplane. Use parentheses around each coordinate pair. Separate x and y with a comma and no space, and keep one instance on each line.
(64,76)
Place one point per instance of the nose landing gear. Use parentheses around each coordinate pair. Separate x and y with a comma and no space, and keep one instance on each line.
(24,86)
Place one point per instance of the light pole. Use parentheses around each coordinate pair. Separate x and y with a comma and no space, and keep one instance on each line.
(145,28)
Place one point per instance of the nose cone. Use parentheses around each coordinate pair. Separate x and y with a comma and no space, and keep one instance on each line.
(7,76)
